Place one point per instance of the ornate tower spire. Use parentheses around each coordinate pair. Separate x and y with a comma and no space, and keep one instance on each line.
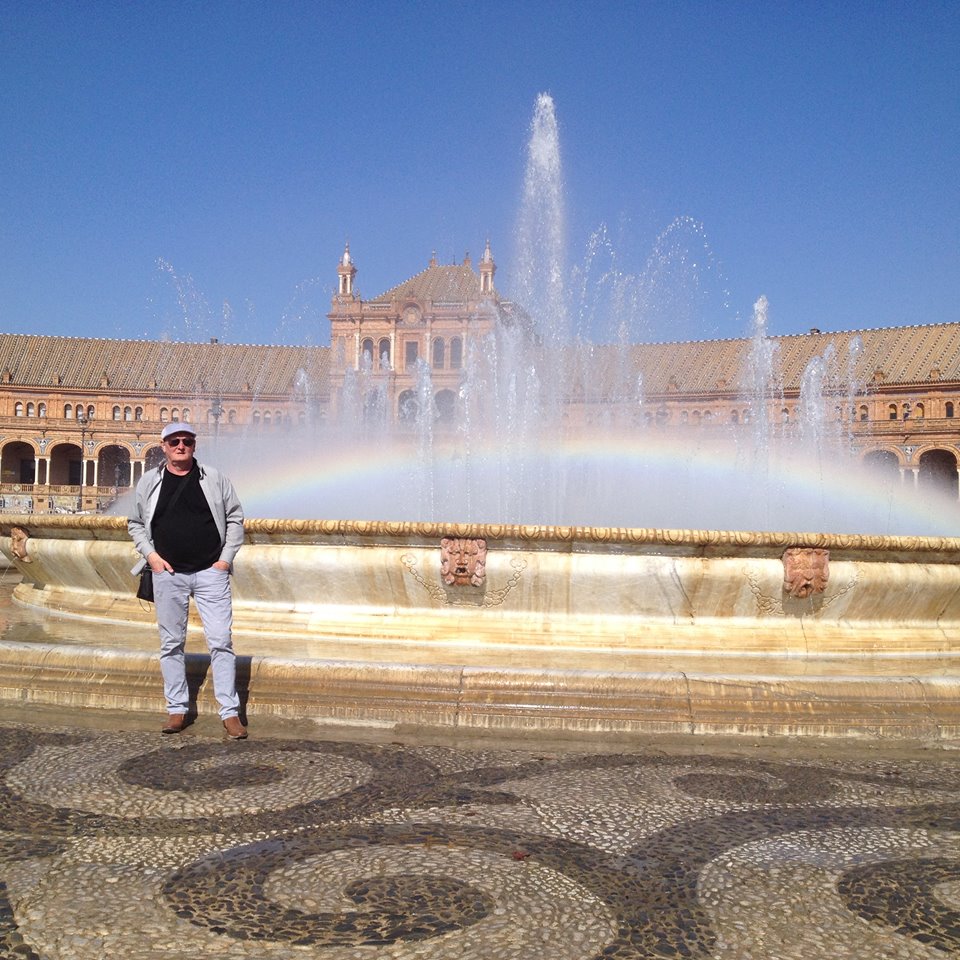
(487,269)
(346,271)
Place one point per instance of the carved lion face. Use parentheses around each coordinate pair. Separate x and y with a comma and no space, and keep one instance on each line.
(18,543)
(463,561)
(805,571)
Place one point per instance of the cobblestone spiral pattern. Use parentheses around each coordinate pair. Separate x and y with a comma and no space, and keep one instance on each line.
(113,845)
(902,895)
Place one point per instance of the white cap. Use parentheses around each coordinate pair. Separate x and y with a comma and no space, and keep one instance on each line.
(176,426)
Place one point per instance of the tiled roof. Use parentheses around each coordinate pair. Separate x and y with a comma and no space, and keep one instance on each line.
(454,283)
(133,365)
(904,356)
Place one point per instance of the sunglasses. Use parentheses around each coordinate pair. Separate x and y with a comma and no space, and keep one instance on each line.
(186,441)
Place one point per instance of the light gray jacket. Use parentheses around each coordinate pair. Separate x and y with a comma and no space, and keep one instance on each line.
(224,505)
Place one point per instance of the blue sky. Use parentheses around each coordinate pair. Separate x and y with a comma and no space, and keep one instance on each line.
(188,170)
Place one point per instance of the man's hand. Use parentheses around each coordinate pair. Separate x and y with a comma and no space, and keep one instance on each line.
(157,564)
(221,565)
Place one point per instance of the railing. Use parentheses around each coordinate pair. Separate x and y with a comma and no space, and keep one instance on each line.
(920,425)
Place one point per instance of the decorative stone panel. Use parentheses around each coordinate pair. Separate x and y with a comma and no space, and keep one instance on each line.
(805,571)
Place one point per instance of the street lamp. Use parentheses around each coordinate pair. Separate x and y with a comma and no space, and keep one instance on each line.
(216,411)
(82,419)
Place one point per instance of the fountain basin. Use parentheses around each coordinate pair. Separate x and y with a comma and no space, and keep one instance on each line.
(561,627)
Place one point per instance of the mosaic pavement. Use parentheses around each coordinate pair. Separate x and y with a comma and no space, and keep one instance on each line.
(125,844)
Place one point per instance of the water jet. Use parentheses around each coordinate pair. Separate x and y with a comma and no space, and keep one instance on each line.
(496,573)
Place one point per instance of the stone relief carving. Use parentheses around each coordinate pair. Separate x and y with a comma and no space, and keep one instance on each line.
(806,571)
(795,604)
(463,561)
(18,543)
(473,596)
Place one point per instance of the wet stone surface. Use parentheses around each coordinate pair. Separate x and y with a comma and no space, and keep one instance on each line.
(125,844)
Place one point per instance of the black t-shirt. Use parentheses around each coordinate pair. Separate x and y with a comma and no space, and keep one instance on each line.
(186,536)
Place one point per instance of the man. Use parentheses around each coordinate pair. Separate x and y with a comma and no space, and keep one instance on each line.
(187,524)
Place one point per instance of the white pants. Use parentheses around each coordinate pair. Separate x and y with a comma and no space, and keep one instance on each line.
(210,590)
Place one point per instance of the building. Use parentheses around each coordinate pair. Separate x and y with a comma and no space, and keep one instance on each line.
(80,417)
(377,345)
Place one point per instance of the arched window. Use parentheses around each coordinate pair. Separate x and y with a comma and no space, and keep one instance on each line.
(383,348)
(18,409)
(256,418)
(164,414)
(68,411)
(696,416)
(906,411)
(785,415)
(116,413)
(948,410)
(707,416)
(918,411)
(31,409)
(684,416)
(892,411)
(266,417)
(128,413)
(734,416)
(456,353)
(366,352)
(864,413)
(232,416)
(138,414)
(186,415)
(439,351)
(90,412)
(41,410)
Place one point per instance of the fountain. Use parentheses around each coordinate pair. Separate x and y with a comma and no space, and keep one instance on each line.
(526,572)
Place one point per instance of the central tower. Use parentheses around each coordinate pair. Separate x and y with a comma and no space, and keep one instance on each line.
(381,348)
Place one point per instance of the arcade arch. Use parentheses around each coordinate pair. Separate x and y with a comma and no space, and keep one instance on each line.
(113,466)
(408,406)
(66,465)
(885,464)
(374,406)
(938,472)
(153,458)
(18,463)
(446,406)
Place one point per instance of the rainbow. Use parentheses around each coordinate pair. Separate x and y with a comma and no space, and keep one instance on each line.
(639,479)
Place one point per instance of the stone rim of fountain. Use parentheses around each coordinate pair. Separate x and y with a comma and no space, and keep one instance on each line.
(773,647)
(933,549)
